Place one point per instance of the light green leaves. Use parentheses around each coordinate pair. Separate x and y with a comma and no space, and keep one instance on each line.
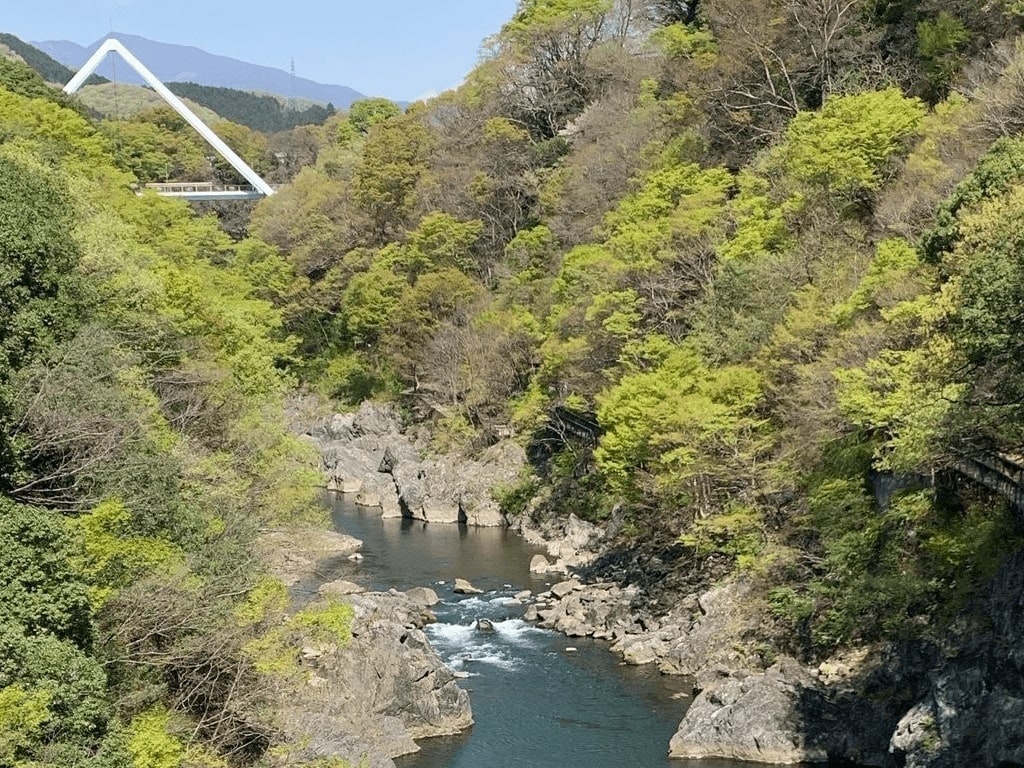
(843,149)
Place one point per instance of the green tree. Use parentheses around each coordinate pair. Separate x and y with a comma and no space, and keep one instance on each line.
(393,162)
(844,149)
(940,42)
(40,295)
(366,113)
(40,589)
(678,422)
(154,153)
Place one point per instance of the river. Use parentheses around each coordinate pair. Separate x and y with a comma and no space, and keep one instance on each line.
(536,704)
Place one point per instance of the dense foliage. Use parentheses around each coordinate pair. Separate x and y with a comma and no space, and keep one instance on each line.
(700,257)
(143,376)
(260,112)
(743,277)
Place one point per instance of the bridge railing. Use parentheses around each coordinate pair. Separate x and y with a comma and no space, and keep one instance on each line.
(197,186)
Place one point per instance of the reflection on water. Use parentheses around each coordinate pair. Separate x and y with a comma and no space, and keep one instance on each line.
(536,705)
(402,553)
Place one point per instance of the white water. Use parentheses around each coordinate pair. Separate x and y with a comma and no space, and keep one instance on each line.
(535,704)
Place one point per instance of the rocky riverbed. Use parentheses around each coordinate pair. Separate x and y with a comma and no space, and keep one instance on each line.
(953,702)
(956,702)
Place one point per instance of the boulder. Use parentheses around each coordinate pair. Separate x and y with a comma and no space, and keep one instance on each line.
(365,453)
(423,596)
(643,652)
(784,715)
(463,587)
(760,718)
(707,630)
(539,564)
(563,588)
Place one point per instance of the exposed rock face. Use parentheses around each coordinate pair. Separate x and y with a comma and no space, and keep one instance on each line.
(756,718)
(724,612)
(386,688)
(973,710)
(353,446)
(365,453)
(782,716)
(570,541)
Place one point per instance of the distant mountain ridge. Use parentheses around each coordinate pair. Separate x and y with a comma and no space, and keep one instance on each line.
(184,63)
(51,70)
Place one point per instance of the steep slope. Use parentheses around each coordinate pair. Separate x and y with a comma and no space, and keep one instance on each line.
(750,301)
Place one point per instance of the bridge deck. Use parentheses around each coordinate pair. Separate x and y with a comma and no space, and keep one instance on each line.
(204,190)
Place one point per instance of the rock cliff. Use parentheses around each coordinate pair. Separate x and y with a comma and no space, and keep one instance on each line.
(366,454)
(972,709)
(371,699)
(368,700)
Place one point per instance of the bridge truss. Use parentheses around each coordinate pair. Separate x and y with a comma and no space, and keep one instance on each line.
(194,191)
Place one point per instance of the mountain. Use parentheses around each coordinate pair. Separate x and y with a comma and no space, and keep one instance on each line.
(181,63)
(51,70)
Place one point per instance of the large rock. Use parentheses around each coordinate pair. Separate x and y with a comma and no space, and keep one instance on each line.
(377,694)
(572,542)
(539,564)
(453,489)
(707,631)
(757,718)
(365,453)
(352,446)
(782,716)
(423,596)
(563,588)
(463,587)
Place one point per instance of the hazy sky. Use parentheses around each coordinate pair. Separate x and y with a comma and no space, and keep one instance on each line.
(402,49)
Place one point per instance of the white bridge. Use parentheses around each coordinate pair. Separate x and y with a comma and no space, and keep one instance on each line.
(188,190)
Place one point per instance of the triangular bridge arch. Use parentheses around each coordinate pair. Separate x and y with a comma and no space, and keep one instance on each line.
(193,191)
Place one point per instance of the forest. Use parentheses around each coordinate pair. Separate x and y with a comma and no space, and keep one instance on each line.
(766,253)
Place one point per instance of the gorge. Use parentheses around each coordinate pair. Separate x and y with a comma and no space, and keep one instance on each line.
(699,321)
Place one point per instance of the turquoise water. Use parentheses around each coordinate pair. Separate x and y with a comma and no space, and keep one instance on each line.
(535,703)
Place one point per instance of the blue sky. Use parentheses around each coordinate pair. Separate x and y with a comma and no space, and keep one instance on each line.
(402,49)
